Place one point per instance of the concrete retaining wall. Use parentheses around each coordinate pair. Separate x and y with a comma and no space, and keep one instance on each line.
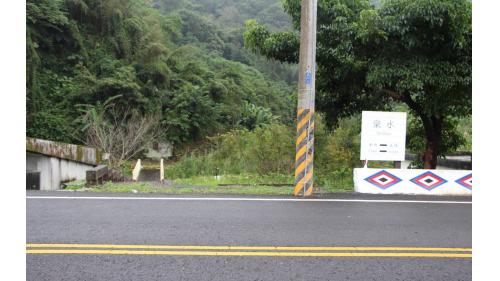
(54,171)
(73,152)
(413,181)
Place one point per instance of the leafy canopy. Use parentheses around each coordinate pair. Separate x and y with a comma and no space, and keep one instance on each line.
(418,52)
(162,57)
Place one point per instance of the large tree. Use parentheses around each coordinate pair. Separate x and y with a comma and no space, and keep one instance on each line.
(418,52)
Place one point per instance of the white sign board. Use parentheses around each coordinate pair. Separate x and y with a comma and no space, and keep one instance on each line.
(383,136)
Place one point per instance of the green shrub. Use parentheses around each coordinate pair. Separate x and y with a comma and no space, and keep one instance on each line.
(270,149)
(266,149)
(337,153)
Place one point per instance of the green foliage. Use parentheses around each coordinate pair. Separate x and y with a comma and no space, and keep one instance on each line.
(452,138)
(255,35)
(49,116)
(218,26)
(183,187)
(253,116)
(230,14)
(240,179)
(174,61)
(337,153)
(189,114)
(268,151)
(417,52)
(281,46)
(465,129)
(52,125)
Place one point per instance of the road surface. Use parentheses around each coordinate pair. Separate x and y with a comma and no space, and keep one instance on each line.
(92,236)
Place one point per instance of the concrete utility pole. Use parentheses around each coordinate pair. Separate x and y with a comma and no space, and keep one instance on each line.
(305,109)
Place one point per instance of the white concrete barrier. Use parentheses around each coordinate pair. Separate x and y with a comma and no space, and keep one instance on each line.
(413,181)
(54,171)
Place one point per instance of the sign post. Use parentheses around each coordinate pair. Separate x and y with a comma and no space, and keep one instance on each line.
(383,136)
(304,152)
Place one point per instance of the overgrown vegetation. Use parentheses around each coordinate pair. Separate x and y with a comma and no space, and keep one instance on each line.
(121,132)
(162,58)
(268,151)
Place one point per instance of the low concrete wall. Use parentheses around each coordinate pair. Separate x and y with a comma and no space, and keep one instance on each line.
(413,181)
(54,171)
(73,152)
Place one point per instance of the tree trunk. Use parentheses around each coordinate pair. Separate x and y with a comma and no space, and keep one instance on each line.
(433,132)
(433,126)
(430,154)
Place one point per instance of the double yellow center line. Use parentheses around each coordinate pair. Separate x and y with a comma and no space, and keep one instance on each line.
(279,251)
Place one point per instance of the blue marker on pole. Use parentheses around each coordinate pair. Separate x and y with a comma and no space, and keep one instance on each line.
(308,77)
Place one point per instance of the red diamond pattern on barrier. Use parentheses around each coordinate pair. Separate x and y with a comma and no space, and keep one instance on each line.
(383,179)
(428,180)
(465,181)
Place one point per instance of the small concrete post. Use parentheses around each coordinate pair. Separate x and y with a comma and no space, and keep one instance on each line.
(96,175)
(162,171)
(137,170)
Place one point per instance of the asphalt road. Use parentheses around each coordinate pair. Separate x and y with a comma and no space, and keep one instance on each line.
(198,225)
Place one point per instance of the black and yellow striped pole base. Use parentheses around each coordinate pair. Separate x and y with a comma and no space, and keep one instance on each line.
(304,153)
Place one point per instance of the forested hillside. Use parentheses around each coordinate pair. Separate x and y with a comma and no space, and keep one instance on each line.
(178,62)
(219,24)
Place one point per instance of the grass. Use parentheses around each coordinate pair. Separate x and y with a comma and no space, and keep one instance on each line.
(143,187)
(242,179)
(74,185)
(245,184)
